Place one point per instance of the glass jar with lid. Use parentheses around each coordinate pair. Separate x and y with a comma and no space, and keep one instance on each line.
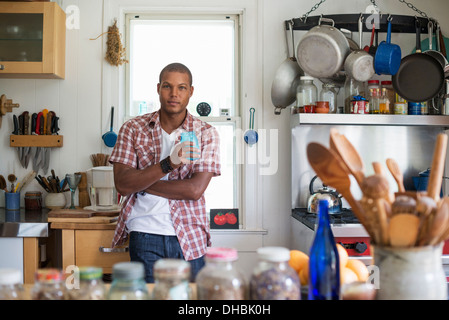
(329,94)
(306,94)
(352,88)
(128,282)
(49,284)
(220,278)
(91,285)
(171,280)
(10,284)
(273,278)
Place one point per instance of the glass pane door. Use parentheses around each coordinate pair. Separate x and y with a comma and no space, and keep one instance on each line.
(21,36)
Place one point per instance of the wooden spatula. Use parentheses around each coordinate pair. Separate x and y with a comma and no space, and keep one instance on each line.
(436,171)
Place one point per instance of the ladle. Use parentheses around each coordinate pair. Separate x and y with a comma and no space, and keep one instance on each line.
(347,152)
(396,173)
(332,172)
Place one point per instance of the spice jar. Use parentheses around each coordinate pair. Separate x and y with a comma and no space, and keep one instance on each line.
(273,278)
(171,280)
(389,94)
(10,284)
(220,279)
(33,200)
(91,285)
(128,282)
(306,95)
(49,284)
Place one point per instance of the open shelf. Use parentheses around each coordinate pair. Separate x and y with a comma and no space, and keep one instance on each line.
(50,141)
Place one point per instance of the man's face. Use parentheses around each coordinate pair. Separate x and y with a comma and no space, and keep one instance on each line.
(174,92)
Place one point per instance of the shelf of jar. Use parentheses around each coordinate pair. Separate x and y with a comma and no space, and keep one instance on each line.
(369,119)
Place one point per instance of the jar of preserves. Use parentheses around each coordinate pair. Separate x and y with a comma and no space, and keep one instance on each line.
(329,94)
(128,282)
(49,284)
(273,278)
(171,280)
(10,284)
(306,94)
(220,279)
(91,285)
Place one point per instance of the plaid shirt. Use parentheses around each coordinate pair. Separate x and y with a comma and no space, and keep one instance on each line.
(139,146)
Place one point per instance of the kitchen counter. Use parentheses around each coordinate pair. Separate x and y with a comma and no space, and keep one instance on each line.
(23,223)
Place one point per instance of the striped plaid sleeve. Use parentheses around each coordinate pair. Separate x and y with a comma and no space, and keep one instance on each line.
(123,151)
(210,152)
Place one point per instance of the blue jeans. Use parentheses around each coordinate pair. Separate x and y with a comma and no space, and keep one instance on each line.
(148,248)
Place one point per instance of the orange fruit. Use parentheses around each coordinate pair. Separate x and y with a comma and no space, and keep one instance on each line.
(347,276)
(304,275)
(298,260)
(359,268)
(343,255)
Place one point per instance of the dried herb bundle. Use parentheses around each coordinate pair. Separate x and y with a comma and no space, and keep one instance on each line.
(115,53)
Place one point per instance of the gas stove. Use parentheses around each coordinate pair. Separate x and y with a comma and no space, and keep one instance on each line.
(345,226)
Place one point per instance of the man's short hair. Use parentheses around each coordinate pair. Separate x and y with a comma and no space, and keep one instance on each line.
(176,67)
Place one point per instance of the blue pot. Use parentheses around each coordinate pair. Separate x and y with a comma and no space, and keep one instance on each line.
(388,56)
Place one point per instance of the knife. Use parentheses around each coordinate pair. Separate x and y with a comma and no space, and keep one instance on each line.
(49,122)
(16,125)
(33,123)
(26,127)
(26,122)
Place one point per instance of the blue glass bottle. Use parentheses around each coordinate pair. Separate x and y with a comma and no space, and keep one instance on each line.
(324,263)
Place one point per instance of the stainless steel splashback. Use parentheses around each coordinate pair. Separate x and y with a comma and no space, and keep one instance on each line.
(411,146)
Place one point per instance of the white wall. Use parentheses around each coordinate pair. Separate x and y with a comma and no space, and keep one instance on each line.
(83,99)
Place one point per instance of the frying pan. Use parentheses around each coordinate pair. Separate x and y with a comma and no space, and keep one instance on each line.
(420,76)
(110,137)
(436,54)
(286,79)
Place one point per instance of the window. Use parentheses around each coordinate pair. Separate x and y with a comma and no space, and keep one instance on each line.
(209,46)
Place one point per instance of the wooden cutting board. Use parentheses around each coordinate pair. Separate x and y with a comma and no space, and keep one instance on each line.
(91,220)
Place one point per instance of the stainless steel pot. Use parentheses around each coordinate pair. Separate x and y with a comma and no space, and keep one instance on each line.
(359,63)
(286,79)
(322,50)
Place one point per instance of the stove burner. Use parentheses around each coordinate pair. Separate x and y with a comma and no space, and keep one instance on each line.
(346,216)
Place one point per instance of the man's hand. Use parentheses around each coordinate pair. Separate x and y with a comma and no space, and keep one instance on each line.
(184,152)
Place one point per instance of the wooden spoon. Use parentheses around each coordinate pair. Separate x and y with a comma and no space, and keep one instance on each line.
(12,178)
(403,230)
(439,224)
(331,170)
(347,152)
(436,171)
(396,173)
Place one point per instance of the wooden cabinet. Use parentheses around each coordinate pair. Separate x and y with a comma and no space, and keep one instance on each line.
(91,248)
(32,40)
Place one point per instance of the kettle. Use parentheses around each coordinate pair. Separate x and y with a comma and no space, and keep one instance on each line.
(324,193)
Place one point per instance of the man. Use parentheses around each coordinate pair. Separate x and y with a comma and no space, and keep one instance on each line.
(164,214)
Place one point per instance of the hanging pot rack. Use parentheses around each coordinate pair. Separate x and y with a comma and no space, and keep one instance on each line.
(399,23)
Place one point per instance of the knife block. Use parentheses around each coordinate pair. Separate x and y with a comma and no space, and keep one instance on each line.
(83,195)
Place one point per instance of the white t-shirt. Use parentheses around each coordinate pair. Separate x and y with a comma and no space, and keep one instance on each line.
(150,213)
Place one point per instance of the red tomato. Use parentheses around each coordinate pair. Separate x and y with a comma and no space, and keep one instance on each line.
(220,219)
(231,218)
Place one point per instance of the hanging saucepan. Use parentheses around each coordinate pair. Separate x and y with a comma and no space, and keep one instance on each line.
(388,55)
(420,76)
(366,48)
(436,54)
(286,79)
(359,63)
(373,48)
(322,51)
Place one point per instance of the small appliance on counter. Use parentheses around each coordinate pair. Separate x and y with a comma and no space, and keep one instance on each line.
(101,188)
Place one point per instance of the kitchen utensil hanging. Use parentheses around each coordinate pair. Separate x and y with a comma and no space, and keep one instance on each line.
(420,76)
(110,137)
(388,55)
(251,135)
(286,79)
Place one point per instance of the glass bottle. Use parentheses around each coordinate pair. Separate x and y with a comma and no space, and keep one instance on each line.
(324,265)
(91,285)
(273,278)
(352,88)
(49,284)
(329,94)
(384,102)
(171,280)
(306,94)
(373,96)
(128,282)
(220,279)
(10,284)
(389,93)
